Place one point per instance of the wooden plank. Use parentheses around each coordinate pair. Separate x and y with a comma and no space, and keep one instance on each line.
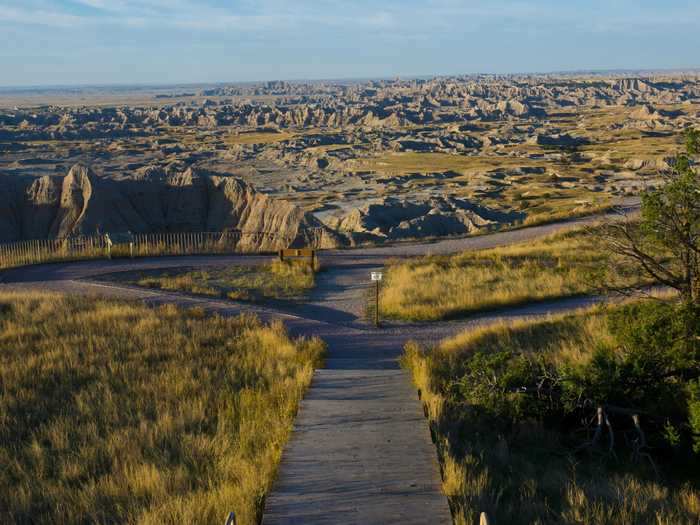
(357,438)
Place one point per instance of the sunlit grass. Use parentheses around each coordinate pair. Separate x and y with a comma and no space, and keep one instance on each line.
(442,287)
(286,280)
(111,412)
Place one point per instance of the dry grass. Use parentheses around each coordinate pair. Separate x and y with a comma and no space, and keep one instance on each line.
(286,280)
(526,475)
(398,163)
(564,210)
(111,412)
(256,138)
(443,287)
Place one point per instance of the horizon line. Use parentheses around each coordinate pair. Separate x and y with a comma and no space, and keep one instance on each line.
(154,85)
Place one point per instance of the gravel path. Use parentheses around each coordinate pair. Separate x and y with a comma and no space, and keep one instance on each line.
(361,451)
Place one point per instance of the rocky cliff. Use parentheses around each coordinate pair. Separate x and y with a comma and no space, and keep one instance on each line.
(82,203)
(390,218)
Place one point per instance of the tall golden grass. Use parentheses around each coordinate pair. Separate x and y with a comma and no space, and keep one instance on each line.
(111,412)
(278,280)
(562,215)
(442,287)
(527,475)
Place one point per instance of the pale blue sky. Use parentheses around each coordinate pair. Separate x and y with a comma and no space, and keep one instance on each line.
(49,42)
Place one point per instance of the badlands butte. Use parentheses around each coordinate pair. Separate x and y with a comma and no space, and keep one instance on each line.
(335,163)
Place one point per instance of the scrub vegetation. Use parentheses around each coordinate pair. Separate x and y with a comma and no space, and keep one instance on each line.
(512,409)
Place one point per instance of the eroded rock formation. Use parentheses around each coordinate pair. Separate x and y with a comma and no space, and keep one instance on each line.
(391,218)
(81,203)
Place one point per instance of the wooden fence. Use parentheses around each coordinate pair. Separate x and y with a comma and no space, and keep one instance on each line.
(142,245)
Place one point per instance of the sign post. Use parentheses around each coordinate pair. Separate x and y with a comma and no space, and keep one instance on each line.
(108,243)
(376,278)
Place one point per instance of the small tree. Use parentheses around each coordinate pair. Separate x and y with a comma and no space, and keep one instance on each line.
(659,355)
(664,243)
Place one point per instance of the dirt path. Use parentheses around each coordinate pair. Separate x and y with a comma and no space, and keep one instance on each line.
(361,451)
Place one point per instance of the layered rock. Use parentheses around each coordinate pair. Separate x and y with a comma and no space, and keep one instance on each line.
(391,218)
(655,164)
(81,203)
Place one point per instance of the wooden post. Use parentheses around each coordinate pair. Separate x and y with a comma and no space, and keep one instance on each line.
(484,519)
(376,277)
(376,306)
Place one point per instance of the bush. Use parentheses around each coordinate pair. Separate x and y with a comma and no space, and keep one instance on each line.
(649,366)
(655,354)
(497,382)
(694,413)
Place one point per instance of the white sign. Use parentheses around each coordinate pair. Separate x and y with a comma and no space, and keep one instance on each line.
(376,276)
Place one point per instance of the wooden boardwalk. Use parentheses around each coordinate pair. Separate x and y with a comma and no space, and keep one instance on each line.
(361,450)
(360,454)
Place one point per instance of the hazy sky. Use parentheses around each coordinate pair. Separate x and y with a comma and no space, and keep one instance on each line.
(177,41)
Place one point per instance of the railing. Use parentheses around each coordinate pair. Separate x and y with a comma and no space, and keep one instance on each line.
(146,245)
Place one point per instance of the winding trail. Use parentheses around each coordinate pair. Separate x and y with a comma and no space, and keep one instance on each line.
(361,451)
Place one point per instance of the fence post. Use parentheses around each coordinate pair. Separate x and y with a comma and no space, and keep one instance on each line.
(484,519)
(70,248)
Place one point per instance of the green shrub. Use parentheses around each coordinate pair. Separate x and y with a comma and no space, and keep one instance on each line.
(648,366)
(694,413)
(651,366)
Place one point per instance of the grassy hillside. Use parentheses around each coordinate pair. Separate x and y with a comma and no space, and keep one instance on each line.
(111,412)
(443,287)
(519,456)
